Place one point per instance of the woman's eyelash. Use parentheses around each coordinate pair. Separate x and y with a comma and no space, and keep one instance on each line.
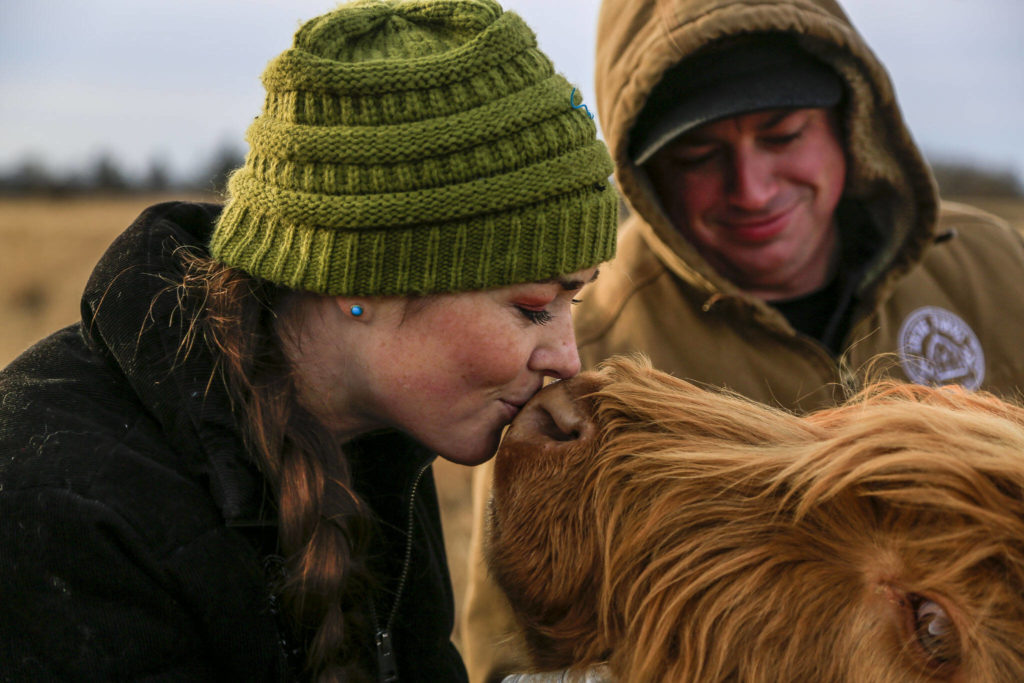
(536,317)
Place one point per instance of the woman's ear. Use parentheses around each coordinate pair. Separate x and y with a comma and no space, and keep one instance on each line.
(354,308)
(374,308)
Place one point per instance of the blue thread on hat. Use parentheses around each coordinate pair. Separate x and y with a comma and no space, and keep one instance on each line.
(356,310)
(580,105)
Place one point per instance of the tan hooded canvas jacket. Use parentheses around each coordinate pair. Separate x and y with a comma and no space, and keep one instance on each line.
(942,300)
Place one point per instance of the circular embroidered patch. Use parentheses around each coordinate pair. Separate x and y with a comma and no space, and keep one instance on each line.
(938,347)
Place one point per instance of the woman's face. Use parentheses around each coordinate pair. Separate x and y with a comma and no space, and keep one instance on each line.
(449,370)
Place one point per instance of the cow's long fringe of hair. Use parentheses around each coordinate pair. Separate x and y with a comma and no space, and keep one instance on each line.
(709,514)
(323,525)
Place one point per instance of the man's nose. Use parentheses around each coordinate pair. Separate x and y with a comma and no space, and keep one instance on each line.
(752,181)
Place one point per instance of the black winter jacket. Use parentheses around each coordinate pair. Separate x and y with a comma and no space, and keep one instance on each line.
(136,539)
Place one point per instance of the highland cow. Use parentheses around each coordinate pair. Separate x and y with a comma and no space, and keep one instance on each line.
(670,533)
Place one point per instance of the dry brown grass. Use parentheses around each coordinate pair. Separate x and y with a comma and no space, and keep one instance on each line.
(1005,207)
(48,248)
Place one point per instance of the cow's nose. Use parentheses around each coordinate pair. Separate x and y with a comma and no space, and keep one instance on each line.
(552,415)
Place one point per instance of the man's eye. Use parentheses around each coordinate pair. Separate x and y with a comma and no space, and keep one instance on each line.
(693,159)
(536,317)
(780,140)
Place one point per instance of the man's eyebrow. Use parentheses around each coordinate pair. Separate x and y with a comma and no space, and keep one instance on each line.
(776,118)
(570,285)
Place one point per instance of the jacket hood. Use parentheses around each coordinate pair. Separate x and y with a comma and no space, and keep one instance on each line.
(639,40)
(132,318)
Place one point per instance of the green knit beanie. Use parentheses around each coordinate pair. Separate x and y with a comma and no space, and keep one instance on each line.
(411,147)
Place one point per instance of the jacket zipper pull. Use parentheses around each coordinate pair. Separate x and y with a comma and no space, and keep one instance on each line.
(387,669)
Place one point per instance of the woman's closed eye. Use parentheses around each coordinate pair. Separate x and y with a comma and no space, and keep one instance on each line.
(542,302)
(536,316)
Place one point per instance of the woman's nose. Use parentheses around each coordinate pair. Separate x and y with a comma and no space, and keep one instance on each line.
(557,355)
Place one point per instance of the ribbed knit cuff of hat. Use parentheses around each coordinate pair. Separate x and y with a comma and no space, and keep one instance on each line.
(412,147)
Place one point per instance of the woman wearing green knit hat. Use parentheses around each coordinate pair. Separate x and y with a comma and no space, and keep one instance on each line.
(222,472)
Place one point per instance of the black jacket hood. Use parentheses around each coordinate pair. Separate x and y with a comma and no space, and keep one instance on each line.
(135,281)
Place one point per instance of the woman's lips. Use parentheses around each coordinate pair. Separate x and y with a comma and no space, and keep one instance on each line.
(515,404)
(511,409)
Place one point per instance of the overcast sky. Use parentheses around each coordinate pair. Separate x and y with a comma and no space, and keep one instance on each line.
(176,79)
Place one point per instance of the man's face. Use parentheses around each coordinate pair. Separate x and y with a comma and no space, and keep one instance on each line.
(755,193)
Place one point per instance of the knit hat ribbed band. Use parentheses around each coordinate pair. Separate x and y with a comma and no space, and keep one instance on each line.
(416,147)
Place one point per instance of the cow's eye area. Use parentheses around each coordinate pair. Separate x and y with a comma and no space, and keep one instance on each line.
(935,631)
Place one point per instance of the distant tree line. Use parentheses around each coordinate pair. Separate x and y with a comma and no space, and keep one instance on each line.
(958,179)
(105,175)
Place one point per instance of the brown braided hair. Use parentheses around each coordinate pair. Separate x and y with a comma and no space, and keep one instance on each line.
(323,525)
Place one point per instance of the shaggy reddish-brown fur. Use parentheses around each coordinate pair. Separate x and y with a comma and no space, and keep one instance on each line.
(680,534)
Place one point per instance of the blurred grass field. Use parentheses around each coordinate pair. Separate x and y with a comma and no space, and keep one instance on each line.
(48,248)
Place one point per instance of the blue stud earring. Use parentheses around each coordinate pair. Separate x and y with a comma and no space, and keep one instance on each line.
(356,310)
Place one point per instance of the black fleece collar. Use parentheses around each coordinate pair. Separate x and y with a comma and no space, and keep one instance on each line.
(130,317)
